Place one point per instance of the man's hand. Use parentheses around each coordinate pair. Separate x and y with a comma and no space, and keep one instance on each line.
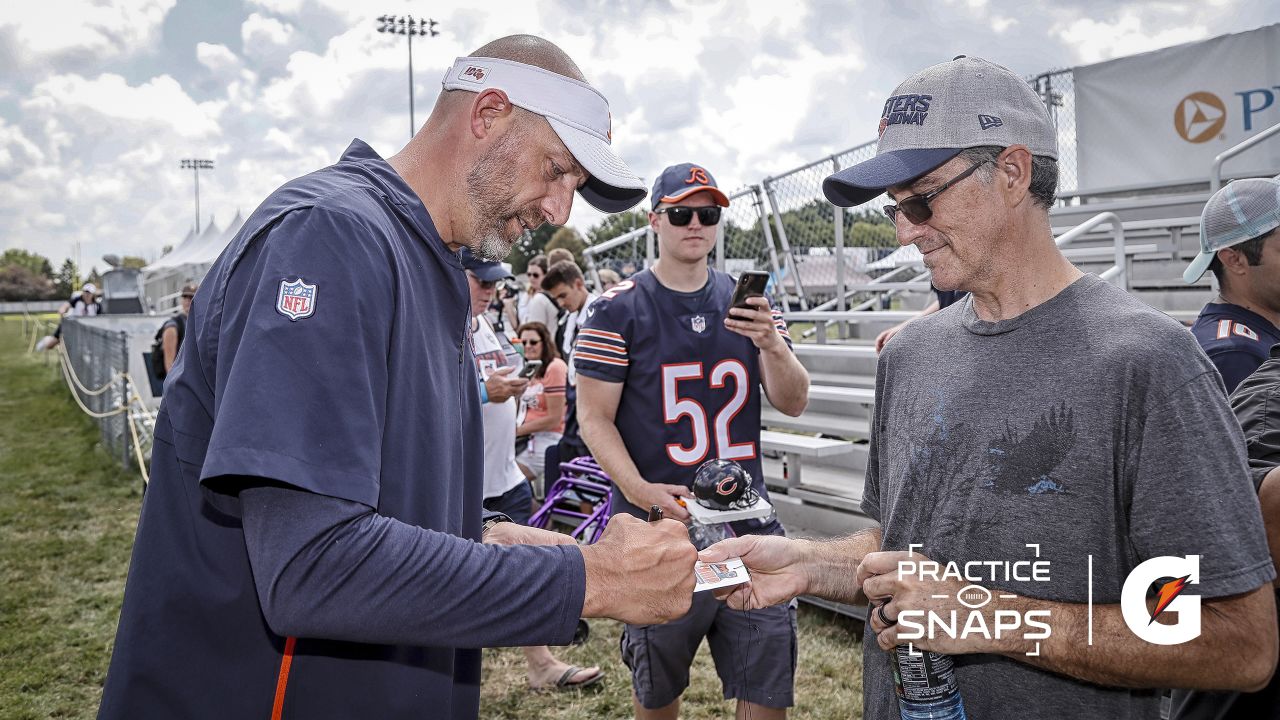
(512,533)
(887,335)
(878,576)
(776,565)
(756,324)
(640,573)
(501,387)
(644,493)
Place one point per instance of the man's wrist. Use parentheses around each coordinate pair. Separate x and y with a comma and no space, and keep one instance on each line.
(491,520)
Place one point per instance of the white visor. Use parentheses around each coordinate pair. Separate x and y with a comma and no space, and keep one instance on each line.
(576,111)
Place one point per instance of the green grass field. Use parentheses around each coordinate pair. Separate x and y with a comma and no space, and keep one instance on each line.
(67,518)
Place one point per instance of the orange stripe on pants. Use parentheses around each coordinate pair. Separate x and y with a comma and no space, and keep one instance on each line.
(277,709)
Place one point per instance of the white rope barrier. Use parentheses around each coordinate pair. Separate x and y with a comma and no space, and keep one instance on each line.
(124,405)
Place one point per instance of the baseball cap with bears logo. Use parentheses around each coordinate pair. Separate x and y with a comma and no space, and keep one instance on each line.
(680,181)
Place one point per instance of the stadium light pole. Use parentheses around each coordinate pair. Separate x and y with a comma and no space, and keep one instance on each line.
(196,165)
(408,26)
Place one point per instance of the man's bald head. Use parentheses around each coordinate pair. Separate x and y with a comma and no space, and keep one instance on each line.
(532,50)
(526,49)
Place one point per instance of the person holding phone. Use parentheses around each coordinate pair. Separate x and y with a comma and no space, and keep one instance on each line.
(505,489)
(669,376)
(543,400)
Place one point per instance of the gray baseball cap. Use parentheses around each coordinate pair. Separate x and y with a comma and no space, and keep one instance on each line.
(936,113)
(1243,210)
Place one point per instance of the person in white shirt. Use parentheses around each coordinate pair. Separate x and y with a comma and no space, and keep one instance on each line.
(505,488)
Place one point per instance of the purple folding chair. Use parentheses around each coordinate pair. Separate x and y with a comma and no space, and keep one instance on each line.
(581,479)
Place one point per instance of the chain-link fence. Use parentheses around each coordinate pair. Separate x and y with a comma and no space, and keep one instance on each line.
(626,255)
(99,358)
(1058,90)
(823,256)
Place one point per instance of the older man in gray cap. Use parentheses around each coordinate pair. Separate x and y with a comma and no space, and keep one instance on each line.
(1048,421)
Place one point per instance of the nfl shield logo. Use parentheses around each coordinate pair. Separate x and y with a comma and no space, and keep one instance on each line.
(296,300)
(698,323)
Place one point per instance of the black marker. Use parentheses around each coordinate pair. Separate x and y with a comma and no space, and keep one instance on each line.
(655,513)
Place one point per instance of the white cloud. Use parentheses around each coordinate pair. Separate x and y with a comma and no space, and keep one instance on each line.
(103,30)
(751,89)
(278,7)
(1000,23)
(1098,40)
(267,40)
(160,102)
(218,59)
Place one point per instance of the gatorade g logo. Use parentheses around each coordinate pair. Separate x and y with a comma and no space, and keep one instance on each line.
(697,175)
(1199,117)
(1133,600)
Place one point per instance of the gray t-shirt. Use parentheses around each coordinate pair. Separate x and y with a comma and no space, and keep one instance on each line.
(1091,425)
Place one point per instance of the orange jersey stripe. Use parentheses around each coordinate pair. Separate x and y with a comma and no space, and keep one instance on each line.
(601,346)
(600,359)
(603,334)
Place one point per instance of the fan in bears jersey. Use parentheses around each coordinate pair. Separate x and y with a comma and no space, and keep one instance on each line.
(668,378)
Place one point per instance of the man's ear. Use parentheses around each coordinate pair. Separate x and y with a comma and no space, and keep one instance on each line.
(1014,166)
(487,109)
(1233,261)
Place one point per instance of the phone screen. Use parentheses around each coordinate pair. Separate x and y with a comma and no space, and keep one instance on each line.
(530,368)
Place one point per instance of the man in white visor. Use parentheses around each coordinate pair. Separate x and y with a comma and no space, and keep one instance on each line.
(309,544)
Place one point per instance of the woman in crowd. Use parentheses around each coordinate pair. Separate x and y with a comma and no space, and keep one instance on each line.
(543,401)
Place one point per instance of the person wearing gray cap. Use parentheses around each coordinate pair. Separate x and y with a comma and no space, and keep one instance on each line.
(1238,231)
(312,542)
(1049,418)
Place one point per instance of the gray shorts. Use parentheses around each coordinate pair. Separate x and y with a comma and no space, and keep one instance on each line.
(754,653)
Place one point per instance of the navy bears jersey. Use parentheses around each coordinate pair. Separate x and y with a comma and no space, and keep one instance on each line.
(1235,339)
(692,388)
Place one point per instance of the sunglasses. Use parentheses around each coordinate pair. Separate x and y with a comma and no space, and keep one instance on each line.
(532,342)
(916,208)
(681,216)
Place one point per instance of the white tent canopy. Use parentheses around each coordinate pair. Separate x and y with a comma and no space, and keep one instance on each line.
(164,278)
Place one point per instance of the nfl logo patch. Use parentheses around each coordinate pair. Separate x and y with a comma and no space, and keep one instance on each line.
(698,323)
(296,300)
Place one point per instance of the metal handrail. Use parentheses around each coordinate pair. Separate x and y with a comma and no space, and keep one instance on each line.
(1117,235)
(1215,174)
(610,244)
(877,281)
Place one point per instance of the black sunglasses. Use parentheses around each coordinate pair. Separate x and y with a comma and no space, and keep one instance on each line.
(916,208)
(681,216)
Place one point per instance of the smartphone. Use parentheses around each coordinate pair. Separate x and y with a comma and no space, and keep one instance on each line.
(530,368)
(750,284)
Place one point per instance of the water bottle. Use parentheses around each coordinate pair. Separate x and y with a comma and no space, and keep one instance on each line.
(926,686)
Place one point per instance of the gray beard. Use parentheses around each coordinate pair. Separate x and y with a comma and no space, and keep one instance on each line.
(489,185)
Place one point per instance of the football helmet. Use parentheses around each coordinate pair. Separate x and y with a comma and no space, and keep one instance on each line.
(723,485)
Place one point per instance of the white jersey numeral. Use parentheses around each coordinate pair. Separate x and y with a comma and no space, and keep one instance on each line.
(675,408)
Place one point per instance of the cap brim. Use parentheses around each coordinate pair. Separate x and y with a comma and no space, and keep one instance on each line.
(611,187)
(1198,266)
(864,181)
(721,199)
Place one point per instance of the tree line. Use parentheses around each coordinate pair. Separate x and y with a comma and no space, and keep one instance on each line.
(26,275)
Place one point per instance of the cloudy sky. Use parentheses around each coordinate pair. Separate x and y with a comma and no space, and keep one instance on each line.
(100,100)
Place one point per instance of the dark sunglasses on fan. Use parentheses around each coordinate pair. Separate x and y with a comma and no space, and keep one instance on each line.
(680,215)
